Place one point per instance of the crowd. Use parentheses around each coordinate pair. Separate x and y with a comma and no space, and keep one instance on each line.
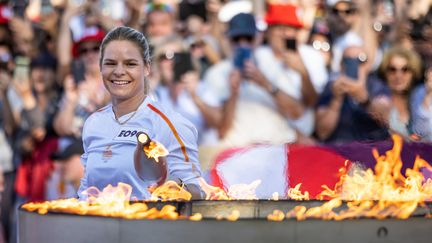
(242,71)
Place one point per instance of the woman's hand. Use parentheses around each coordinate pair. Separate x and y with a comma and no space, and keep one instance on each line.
(70,89)
(253,74)
(190,80)
(5,79)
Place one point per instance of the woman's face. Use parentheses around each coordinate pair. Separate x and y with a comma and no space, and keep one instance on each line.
(123,70)
(89,53)
(42,79)
(399,75)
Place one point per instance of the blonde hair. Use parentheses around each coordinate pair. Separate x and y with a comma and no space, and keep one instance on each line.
(413,61)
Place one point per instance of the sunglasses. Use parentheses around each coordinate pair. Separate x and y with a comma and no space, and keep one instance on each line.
(169,55)
(85,50)
(158,7)
(321,45)
(247,38)
(404,69)
(339,12)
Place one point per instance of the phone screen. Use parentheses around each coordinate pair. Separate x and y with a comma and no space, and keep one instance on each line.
(291,44)
(241,54)
(22,70)
(182,64)
(350,67)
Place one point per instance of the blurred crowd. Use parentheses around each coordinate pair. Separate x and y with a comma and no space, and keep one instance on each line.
(244,72)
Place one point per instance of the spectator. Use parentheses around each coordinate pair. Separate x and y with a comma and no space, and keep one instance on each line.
(401,69)
(298,69)
(36,137)
(240,87)
(341,19)
(421,106)
(184,91)
(160,23)
(353,107)
(69,161)
(84,93)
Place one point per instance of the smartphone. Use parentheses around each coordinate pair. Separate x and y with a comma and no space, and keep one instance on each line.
(182,64)
(350,66)
(46,7)
(22,69)
(291,44)
(195,7)
(241,54)
(78,71)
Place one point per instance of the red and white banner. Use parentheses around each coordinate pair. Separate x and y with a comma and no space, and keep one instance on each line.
(278,167)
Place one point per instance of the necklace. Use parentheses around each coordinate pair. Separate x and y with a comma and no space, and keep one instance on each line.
(124,122)
(130,117)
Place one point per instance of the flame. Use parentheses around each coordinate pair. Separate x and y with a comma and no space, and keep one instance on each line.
(235,214)
(170,190)
(244,191)
(275,196)
(276,215)
(296,194)
(111,201)
(235,192)
(212,192)
(155,150)
(381,193)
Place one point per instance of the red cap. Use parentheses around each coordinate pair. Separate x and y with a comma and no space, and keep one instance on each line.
(90,34)
(283,14)
(5,14)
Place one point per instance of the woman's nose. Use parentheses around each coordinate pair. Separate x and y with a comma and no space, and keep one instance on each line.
(119,70)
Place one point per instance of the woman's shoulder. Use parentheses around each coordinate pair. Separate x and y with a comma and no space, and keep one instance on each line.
(163,114)
(99,114)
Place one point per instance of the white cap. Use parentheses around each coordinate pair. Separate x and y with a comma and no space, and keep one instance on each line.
(331,3)
(233,8)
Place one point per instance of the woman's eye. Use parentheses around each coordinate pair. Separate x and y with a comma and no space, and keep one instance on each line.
(109,63)
(131,64)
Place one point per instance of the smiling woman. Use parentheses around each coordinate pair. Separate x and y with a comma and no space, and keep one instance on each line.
(109,139)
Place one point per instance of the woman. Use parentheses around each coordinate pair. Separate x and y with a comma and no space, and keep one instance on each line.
(401,68)
(109,134)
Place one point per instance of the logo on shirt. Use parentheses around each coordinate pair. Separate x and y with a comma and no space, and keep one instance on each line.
(127,133)
(107,153)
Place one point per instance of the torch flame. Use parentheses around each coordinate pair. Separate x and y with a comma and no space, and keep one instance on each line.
(155,150)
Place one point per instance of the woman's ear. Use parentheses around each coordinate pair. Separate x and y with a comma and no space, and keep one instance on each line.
(147,69)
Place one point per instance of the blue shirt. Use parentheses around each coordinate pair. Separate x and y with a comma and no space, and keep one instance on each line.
(355,123)
(109,147)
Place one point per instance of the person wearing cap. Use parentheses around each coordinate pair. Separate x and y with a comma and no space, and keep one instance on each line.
(242,92)
(160,23)
(296,69)
(83,90)
(342,16)
(69,162)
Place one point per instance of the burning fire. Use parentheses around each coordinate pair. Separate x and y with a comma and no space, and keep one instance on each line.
(155,150)
(112,202)
(170,190)
(379,193)
(234,192)
(385,193)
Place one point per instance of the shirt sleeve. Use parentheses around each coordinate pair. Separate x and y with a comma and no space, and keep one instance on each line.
(83,184)
(421,117)
(182,160)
